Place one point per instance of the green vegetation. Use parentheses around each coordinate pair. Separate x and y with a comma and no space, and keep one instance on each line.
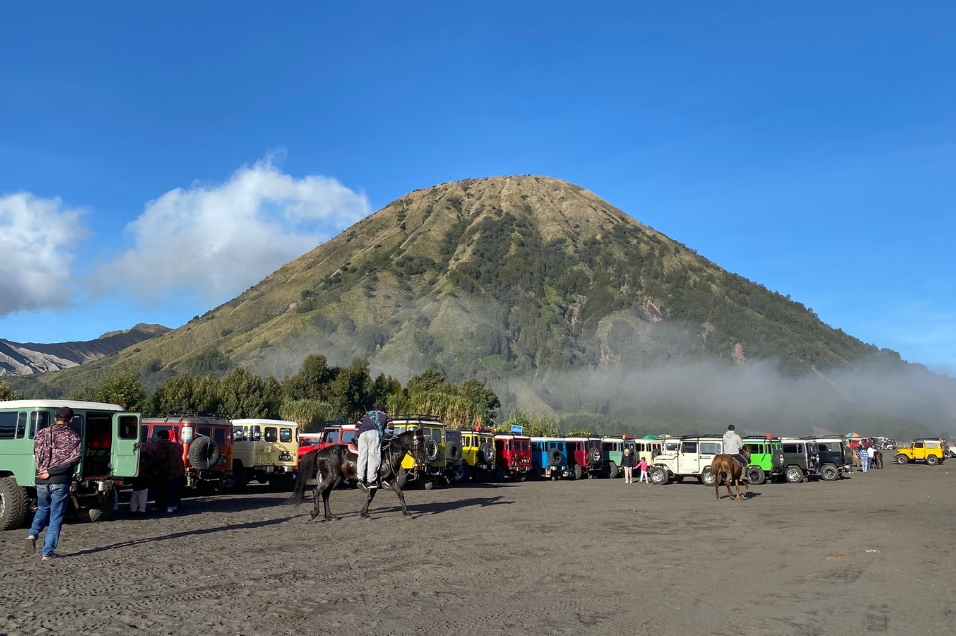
(6,393)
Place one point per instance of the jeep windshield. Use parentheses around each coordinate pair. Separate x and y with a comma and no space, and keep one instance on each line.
(671,447)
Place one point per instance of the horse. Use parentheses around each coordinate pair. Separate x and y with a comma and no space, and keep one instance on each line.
(877,460)
(725,469)
(332,464)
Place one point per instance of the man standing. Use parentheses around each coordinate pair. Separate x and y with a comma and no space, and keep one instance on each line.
(371,430)
(168,470)
(870,454)
(732,446)
(56,450)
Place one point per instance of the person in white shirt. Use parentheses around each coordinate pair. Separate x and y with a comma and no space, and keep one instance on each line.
(732,446)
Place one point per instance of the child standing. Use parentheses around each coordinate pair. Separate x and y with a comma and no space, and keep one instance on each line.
(643,466)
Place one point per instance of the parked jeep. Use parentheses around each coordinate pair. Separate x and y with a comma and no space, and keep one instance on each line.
(110,453)
(435,465)
(549,458)
(689,456)
(585,456)
(644,448)
(930,451)
(308,442)
(513,456)
(612,449)
(766,459)
(265,450)
(478,453)
(832,457)
(206,440)
(801,459)
(454,463)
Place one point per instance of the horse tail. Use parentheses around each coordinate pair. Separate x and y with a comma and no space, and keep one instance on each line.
(307,469)
(716,467)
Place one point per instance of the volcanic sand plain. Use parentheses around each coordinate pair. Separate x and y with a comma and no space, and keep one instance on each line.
(872,553)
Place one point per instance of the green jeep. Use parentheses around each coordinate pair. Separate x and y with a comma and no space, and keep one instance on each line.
(766,459)
(110,452)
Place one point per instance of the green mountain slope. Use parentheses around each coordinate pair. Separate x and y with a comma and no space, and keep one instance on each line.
(510,279)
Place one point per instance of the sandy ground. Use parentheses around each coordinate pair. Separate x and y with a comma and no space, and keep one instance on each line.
(873,553)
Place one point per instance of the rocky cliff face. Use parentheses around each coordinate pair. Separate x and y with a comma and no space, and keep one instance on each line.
(28,358)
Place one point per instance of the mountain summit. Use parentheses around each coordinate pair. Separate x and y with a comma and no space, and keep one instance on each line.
(508,279)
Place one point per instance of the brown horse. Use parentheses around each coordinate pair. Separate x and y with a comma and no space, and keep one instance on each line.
(332,464)
(725,469)
(877,460)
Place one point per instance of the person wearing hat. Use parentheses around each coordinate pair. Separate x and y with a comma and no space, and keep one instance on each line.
(56,450)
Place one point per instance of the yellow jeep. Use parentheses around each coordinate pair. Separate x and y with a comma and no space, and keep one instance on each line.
(931,451)
(434,431)
(478,453)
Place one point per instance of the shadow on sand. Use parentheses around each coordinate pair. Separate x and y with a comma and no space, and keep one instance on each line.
(178,535)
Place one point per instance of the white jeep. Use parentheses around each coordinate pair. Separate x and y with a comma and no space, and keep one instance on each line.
(688,456)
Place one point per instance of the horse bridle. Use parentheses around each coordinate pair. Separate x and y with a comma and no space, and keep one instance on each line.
(391,463)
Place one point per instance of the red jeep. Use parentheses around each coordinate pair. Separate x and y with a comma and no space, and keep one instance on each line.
(206,441)
(585,456)
(513,456)
(338,434)
(308,442)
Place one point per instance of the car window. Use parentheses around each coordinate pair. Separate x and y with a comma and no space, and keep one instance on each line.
(524,445)
(219,435)
(918,445)
(348,436)
(710,448)
(285,434)
(8,425)
(436,435)
(157,429)
(128,427)
(671,447)
(238,433)
(330,437)
(39,420)
(689,447)
(205,431)
(255,433)
(790,448)
(823,448)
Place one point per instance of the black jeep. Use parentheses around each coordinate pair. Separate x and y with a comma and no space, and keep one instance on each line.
(801,459)
(833,460)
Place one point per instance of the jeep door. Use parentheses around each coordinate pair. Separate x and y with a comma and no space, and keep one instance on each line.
(688,462)
(707,451)
(919,451)
(16,448)
(125,449)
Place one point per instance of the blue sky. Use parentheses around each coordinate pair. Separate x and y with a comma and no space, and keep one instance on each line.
(807,146)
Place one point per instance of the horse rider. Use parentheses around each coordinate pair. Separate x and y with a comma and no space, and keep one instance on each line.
(372,429)
(732,446)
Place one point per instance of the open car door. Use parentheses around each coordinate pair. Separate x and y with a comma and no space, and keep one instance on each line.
(124,453)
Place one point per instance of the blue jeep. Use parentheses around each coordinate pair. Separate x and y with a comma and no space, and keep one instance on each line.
(549,458)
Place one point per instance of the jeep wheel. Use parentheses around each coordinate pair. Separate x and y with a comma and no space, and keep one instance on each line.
(829,472)
(794,474)
(902,459)
(13,504)
(578,473)
(932,460)
(707,477)
(612,470)
(594,456)
(658,476)
(100,512)
(756,475)
(461,473)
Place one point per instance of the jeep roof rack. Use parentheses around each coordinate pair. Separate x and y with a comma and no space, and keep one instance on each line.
(432,419)
(214,415)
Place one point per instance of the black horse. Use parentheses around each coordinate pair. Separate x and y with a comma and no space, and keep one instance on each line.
(332,464)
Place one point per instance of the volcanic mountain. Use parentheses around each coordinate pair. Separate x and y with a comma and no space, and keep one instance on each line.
(510,279)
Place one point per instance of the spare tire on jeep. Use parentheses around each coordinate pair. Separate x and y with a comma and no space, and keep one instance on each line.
(454,451)
(203,453)
(554,457)
(488,451)
(431,450)
(594,456)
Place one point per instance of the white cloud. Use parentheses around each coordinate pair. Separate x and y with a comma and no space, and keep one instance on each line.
(217,241)
(37,239)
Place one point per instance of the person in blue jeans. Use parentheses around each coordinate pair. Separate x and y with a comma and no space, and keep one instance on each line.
(56,450)
(864,457)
